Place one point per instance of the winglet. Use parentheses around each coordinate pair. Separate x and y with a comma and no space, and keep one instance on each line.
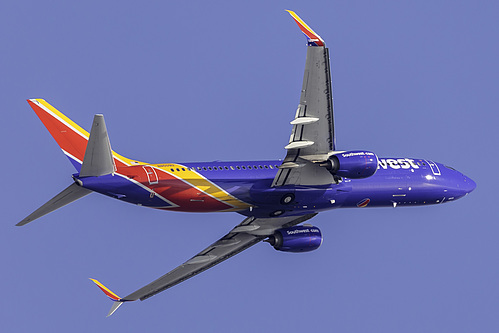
(117,300)
(312,37)
(115,307)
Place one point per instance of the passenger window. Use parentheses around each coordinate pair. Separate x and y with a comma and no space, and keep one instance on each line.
(270,166)
(249,167)
(204,168)
(244,168)
(172,170)
(238,167)
(231,167)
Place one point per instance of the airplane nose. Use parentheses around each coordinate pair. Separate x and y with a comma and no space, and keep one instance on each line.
(464,186)
(457,185)
(468,185)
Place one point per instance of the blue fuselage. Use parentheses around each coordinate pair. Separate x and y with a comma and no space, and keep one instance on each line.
(246,187)
(397,182)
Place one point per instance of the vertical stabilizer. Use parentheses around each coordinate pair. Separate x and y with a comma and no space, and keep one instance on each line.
(73,140)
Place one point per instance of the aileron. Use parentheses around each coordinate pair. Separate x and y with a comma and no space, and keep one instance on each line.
(237,240)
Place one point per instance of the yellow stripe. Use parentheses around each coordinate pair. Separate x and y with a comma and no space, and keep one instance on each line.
(100,285)
(203,184)
(191,177)
(84,133)
(297,18)
(63,117)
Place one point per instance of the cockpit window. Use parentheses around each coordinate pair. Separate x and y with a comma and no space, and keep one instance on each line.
(448,167)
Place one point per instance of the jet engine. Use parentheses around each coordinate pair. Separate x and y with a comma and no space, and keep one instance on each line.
(352,164)
(302,238)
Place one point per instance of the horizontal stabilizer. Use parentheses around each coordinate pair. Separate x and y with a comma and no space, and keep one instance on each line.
(71,193)
(98,160)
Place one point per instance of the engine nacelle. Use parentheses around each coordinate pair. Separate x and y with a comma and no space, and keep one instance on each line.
(352,164)
(301,238)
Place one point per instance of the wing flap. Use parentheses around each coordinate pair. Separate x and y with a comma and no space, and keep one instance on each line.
(313,127)
(226,247)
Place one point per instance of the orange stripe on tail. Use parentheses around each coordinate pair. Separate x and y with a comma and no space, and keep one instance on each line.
(69,136)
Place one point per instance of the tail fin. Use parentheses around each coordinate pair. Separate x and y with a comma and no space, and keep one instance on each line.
(73,139)
(90,154)
(117,300)
(69,136)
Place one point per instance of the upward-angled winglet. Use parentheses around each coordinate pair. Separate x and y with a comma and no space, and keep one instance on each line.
(313,38)
(117,300)
(106,291)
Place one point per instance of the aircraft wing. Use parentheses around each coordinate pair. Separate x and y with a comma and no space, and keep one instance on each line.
(251,231)
(312,136)
(248,233)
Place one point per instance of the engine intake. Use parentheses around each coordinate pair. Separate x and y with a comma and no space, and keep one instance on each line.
(354,164)
(301,238)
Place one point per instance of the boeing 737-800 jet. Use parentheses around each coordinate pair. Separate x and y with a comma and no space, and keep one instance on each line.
(275,196)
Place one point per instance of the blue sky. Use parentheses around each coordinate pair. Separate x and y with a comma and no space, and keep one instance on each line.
(212,80)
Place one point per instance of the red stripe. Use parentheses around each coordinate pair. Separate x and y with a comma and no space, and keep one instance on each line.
(108,294)
(309,34)
(66,138)
(187,197)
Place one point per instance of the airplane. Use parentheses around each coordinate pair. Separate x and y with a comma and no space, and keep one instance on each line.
(275,196)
